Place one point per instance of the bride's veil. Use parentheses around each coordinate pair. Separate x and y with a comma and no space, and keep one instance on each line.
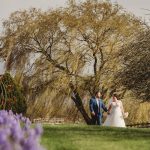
(109,102)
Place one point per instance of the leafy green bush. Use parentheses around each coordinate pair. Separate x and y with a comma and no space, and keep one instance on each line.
(11,95)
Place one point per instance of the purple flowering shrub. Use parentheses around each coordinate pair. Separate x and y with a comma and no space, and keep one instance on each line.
(16,132)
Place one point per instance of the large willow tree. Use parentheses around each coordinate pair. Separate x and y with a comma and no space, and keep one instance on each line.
(69,51)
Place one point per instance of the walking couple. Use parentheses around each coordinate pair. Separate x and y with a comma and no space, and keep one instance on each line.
(115,112)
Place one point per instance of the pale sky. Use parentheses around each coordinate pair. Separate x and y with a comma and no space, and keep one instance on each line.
(8,6)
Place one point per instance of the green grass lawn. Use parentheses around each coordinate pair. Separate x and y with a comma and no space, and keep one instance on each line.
(73,137)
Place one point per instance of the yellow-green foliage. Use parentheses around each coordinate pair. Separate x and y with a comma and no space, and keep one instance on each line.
(76,45)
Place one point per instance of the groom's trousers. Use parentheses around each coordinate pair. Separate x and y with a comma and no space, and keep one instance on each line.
(97,119)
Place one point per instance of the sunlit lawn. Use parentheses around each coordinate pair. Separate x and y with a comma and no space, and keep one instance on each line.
(73,137)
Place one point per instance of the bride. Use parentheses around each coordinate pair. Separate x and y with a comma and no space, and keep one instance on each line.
(116,115)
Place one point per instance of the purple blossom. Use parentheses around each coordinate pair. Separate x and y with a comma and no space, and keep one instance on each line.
(3,137)
(16,132)
(38,130)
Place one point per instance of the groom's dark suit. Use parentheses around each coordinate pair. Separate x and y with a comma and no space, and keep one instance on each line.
(96,106)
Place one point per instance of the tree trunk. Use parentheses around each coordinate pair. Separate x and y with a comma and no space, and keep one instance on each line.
(80,107)
(78,102)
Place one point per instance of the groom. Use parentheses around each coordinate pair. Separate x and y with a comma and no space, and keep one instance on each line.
(96,106)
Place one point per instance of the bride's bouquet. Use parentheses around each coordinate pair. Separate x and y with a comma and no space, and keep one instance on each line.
(126,114)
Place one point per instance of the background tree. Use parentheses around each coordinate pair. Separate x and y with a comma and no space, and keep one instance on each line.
(66,52)
(135,75)
(12,97)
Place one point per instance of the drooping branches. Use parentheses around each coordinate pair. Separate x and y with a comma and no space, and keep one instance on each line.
(77,44)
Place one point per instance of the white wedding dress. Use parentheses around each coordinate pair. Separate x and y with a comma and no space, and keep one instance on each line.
(115,118)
